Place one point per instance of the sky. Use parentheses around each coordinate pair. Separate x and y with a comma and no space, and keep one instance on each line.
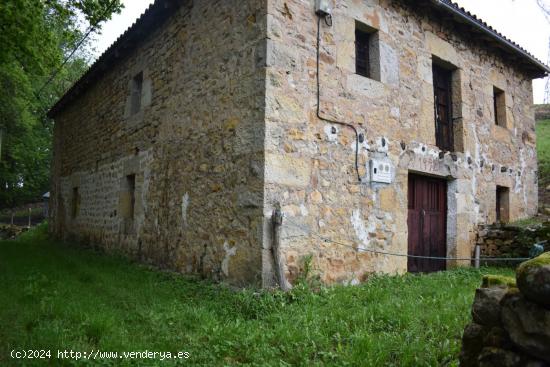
(520,20)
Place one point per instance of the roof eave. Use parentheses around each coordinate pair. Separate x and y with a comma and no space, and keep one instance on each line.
(543,70)
(156,13)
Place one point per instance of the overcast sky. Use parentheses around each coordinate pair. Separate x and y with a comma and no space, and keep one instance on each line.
(520,20)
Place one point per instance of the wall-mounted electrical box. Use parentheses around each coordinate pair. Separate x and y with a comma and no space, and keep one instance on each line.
(381,170)
(322,8)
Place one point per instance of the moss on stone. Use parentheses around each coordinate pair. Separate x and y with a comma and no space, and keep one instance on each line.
(498,281)
(541,260)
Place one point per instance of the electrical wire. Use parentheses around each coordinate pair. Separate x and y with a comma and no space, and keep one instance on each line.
(386,253)
(91,29)
(319,98)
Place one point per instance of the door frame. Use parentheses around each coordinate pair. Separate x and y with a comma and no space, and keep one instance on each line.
(449,218)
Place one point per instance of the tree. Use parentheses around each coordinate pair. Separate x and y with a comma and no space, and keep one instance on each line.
(36,37)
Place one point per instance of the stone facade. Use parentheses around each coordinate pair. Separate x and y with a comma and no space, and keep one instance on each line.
(228,131)
(396,114)
(195,148)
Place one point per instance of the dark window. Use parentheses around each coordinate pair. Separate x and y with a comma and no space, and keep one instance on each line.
(499,106)
(367,51)
(442,81)
(503,204)
(131,185)
(75,203)
(137,85)
(362,53)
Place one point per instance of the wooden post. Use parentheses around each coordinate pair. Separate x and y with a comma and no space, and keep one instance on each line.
(277,220)
(30,212)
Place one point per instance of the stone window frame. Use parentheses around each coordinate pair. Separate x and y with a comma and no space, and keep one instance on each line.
(371,36)
(130,208)
(499,107)
(127,197)
(75,202)
(502,204)
(138,96)
(136,92)
(457,100)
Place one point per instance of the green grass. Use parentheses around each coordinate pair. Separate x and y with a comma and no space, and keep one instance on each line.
(543,151)
(56,296)
(527,222)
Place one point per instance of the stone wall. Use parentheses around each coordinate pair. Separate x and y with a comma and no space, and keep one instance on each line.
(195,147)
(511,325)
(542,112)
(310,163)
(498,240)
(10,232)
(228,130)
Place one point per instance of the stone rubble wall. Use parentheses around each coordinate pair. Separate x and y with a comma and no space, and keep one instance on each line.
(228,131)
(195,147)
(511,325)
(309,164)
(542,112)
(498,240)
(10,232)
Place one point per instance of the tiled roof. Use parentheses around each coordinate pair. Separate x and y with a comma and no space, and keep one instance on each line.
(498,37)
(151,18)
(160,10)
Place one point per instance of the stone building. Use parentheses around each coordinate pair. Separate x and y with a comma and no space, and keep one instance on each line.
(180,141)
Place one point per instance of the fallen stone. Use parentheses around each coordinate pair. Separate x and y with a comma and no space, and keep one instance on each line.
(486,307)
(10,232)
(527,324)
(533,279)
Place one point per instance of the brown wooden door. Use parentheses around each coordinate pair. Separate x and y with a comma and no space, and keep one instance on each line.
(442,80)
(427,222)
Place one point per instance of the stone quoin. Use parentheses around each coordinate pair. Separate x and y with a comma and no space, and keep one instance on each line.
(180,141)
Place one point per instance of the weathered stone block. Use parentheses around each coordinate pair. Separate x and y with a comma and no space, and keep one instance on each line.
(486,308)
(287,171)
(533,278)
(528,325)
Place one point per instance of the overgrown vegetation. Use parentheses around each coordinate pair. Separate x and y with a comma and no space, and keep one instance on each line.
(543,151)
(57,296)
(36,36)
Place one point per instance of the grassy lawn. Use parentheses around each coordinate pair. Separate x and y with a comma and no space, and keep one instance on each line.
(56,296)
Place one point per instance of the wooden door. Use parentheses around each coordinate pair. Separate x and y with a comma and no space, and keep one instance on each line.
(442,80)
(427,222)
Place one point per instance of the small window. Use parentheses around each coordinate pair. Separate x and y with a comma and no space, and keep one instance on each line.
(131,187)
(499,103)
(443,106)
(366,52)
(502,204)
(137,85)
(75,203)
